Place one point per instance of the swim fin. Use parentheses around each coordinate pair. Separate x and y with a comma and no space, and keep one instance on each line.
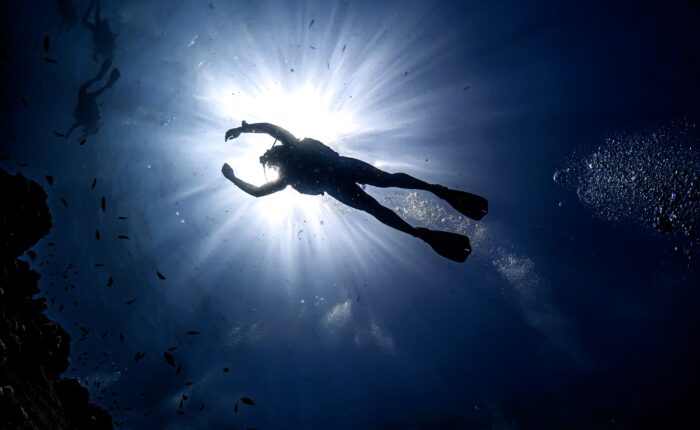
(468,204)
(453,246)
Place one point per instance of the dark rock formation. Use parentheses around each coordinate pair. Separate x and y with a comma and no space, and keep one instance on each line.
(33,349)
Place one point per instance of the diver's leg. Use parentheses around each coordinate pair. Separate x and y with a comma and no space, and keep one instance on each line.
(471,205)
(453,246)
(353,196)
(365,173)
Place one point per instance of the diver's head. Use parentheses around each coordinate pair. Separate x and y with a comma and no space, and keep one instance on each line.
(275,156)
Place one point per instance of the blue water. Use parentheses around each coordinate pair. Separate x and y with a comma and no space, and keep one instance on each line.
(563,317)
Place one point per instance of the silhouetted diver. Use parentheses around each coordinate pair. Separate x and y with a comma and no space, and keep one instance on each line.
(87,113)
(311,167)
(102,35)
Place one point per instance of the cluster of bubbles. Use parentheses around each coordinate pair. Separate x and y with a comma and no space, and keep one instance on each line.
(649,178)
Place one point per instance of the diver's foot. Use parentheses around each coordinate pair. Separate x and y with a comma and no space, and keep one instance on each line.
(453,246)
(468,204)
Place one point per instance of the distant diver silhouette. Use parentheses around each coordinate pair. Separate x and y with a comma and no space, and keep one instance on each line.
(311,167)
(87,112)
(102,35)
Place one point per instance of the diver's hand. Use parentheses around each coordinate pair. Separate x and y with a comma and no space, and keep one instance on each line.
(235,132)
(227,171)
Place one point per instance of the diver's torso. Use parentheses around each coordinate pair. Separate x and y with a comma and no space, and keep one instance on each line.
(310,167)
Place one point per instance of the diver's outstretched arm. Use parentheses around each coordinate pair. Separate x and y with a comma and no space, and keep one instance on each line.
(278,133)
(87,23)
(255,191)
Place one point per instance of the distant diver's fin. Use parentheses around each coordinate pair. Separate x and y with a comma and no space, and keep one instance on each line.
(468,204)
(452,246)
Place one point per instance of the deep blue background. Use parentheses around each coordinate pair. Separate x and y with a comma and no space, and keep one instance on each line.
(558,320)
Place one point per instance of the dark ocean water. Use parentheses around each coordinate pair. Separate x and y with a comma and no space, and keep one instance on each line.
(576,309)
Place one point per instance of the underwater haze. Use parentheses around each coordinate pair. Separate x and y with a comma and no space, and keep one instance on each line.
(192,304)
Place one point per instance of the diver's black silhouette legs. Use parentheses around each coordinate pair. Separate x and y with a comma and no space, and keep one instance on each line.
(353,196)
(471,205)
(454,246)
(365,173)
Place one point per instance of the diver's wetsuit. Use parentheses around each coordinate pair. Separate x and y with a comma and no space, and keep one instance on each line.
(311,167)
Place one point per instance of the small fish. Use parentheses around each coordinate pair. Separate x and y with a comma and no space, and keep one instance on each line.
(49,179)
(466,88)
(179,369)
(103,204)
(201,408)
(130,302)
(172,348)
(358,298)
(110,281)
(139,356)
(104,335)
(169,359)
(47,43)
(405,73)
(160,276)
(235,407)
(99,264)
(50,60)
(192,333)
(65,203)
(97,234)
(312,47)
(185,397)
(312,23)
(121,337)
(82,141)
(188,383)
(182,404)
(247,401)
(123,237)
(94,182)
(225,369)
(123,217)
(344,46)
